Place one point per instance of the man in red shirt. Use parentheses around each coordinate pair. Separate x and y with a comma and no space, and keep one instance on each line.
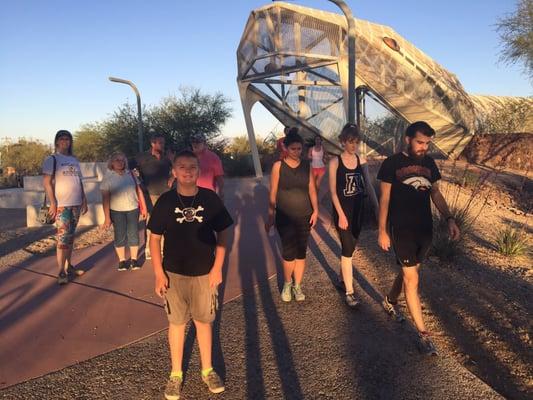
(280,147)
(211,171)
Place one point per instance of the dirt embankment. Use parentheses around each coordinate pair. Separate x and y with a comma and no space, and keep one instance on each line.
(513,150)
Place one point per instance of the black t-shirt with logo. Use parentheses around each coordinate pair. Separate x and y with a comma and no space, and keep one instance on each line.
(411,179)
(188,224)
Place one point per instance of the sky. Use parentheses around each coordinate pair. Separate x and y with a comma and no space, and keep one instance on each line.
(56,55)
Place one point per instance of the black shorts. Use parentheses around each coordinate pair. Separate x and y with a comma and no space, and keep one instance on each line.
(410,246)
(294,232)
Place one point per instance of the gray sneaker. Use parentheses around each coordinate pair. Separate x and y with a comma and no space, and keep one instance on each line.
(351,300)
(297,292)
(392,310)
(214,382)
(173,389)
(286,294)
(425,345)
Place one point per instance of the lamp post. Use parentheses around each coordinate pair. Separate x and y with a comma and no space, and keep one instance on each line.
(351,58)
(139,112)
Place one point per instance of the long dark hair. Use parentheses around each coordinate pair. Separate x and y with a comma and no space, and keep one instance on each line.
(62,133)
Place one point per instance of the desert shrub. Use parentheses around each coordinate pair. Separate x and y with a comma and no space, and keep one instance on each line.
(511,242)
(462,210)
(8,181)
(237,156)
(443,246)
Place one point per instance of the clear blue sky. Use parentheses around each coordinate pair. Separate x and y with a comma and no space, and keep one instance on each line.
(55,56)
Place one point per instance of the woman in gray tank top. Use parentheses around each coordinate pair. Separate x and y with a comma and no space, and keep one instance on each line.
(293,206)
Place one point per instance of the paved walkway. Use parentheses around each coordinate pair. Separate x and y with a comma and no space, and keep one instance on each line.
(46,327)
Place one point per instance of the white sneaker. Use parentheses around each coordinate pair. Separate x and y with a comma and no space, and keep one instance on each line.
(286,294)
(298,293)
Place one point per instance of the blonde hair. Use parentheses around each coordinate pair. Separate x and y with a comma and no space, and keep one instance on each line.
(115,155)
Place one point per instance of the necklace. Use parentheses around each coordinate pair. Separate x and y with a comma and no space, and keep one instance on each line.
(188,213)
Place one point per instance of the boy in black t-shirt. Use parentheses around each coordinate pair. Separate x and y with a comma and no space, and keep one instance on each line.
(408,183)
(194,223)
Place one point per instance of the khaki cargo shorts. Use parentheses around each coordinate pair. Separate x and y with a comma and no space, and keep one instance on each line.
(190,297)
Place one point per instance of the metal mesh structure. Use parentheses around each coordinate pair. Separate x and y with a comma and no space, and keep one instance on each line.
(294,61)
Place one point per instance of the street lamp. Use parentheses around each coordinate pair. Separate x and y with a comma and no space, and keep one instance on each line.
(139,112)
(351,58)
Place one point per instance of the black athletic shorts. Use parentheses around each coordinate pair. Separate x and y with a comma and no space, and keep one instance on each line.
(411,247)
(294,232)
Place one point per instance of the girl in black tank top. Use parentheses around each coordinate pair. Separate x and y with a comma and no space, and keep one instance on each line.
(347,192)
(293,207)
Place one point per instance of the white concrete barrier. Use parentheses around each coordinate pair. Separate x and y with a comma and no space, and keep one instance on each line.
(19,198)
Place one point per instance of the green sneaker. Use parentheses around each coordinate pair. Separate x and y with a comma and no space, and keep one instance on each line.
(286,294)
(214,382)
(298,294)
(173,389)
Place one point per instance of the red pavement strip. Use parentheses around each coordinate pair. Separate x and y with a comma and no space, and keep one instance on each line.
(44,327)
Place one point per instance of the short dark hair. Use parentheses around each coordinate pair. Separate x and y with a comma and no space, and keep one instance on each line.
(184,154)
(156,135)
(419,126)
(198,138)
(349,131)
(292,137)
(61,133)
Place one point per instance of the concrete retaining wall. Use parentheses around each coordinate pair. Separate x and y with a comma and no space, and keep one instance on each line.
(31,197)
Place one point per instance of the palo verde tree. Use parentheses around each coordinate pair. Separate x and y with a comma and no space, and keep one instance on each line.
(516,35)
(180,116)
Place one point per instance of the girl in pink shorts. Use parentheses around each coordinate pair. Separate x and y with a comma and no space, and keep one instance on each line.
(318,162)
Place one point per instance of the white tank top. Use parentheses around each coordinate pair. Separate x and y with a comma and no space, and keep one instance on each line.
(317,158)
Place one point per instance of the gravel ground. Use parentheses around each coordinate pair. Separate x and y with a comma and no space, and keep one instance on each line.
(318,349)
(479,306)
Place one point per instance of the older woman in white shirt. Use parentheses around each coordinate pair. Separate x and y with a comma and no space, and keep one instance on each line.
(121,209)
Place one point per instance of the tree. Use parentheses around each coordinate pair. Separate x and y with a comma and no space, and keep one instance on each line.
(26,155)
(516,34)
(89,143)
(180,117)
(509,118)
(176,117)
(237,156)
(120,131)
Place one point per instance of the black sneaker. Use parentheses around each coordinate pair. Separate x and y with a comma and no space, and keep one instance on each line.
(123,266)
(62,278)
(425,345)
(134,265)
(73,271)
(351,300)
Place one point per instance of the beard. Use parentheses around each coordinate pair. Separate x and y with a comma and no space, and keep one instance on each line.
(416,155)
